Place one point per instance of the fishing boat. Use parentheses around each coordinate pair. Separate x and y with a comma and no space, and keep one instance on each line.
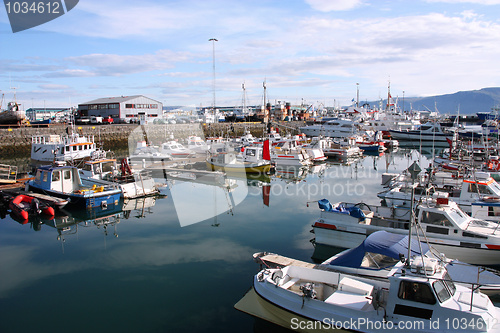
(65,182)
(381,250)
(24,205)
(289,153)
(148,154)
(478,195)
(441,222)
(12,115)
(176,150)
(71,148)
(418,292)
(101,170)
(251,160)
(196,144)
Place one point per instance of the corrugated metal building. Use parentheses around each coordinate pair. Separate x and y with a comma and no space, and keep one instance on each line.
(136,109)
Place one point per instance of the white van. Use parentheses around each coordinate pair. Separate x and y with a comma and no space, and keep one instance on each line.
(96,120)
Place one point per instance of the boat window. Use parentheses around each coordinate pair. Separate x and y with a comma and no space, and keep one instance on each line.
(442,293)
(87,167)
(80,147)
(458,215)
(250,152)
(482,189)
(38,175)
(449,283)
(62,150)
(56,176)
(108,166)
(425,128)
(67,174)
(45,176)
(74,148)
(377,260)
(436,219)
(416,292)
(67,148)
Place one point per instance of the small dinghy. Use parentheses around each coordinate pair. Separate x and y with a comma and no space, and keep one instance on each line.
(25,205)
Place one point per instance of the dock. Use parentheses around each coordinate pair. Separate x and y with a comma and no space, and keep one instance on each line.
(275,260)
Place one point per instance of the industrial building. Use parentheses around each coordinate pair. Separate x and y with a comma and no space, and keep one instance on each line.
(41,114)
(124,109)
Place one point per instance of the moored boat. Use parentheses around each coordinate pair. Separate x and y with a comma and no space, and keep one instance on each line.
(417,291)
(24,205)
(445,226)
(65,182)
(251,160)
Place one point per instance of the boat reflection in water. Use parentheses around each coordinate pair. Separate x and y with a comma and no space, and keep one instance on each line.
(139,207)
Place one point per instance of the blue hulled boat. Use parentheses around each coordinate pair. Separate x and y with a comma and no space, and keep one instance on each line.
(64,182)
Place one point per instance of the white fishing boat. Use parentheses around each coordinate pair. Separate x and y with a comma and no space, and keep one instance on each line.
(289,153)
(71,148)
(251,160)
(196,144)
(441,222)
(478,196)
(419,293)
(102,171)
(176,150)
(148,154)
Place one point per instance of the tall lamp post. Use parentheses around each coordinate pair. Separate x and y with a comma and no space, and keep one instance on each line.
(213,40)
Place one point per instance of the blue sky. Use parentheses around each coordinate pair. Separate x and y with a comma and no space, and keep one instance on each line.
(307,50)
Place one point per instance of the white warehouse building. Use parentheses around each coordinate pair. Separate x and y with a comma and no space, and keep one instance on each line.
(135,109)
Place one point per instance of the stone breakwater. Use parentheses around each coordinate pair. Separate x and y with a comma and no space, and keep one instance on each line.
(16,142)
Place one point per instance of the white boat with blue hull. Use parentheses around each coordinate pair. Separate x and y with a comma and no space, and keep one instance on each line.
(64,182)
(443,224)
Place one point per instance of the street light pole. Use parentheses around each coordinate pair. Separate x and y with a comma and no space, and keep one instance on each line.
(213,40)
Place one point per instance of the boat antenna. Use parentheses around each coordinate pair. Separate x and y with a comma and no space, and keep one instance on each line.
(414,170)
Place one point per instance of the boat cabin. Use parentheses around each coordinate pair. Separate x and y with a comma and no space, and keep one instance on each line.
(63,179)
(50,148)
(99,169)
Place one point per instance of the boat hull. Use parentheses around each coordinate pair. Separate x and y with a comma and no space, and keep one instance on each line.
(84,199)
(240,168)
(347,236)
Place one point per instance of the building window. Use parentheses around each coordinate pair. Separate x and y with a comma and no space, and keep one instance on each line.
(129,106)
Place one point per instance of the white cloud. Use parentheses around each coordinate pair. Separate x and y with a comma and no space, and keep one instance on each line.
(334,5)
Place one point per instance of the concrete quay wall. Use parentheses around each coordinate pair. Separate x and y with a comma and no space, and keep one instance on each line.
(17,141)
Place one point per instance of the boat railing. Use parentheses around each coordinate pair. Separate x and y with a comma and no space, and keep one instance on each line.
(8,172)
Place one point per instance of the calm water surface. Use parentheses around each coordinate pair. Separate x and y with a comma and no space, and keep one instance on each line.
(172,264)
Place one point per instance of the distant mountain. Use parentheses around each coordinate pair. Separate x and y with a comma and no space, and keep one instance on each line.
(469,102)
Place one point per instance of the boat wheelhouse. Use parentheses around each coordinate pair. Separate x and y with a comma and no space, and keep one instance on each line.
(73,148)
(104,171)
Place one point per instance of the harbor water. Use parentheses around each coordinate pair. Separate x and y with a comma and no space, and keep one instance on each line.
(176,263)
